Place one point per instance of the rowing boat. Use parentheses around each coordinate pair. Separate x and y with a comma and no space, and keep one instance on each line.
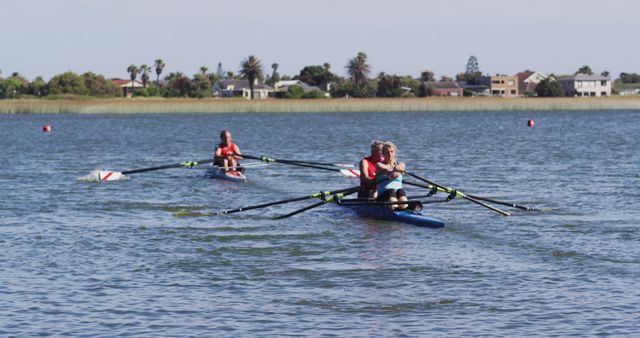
(233,176)
(382,212)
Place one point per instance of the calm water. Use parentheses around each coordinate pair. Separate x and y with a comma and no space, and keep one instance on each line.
(103,259)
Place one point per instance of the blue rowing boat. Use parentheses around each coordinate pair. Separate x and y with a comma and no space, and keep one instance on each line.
(404,216)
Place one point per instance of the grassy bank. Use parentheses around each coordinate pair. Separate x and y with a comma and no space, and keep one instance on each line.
(160,105)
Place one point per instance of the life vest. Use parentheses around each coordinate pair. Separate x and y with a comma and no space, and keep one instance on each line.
(226,150)
(371,170)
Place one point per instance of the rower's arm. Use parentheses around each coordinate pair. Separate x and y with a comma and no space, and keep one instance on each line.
(218,153)
(237,153)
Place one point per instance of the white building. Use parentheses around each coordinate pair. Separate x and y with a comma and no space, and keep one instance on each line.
(585,85)
(231,88)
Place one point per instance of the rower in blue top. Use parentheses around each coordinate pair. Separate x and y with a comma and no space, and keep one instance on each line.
(389,178)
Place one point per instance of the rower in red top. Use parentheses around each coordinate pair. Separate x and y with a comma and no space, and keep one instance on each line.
(368,187)
(227,153)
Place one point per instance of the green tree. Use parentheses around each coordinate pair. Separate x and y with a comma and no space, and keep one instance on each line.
(294,92)
(200,86)
(38,87)
(275,77)
(427,76)
(144,74)
(251,69)
(315,75)
(97,85)
(67,83)
(133,74)
(203,70)
(444,78)
(159,65)
(178,85)
(389,86)
(358,69)
(13,87)
(629,78)
(585,70)
(549,87)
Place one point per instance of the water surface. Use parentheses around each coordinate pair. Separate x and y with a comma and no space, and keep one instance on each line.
(103,259)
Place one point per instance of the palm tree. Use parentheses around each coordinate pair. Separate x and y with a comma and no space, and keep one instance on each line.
(133,71)
(251,69)
(144,70)
(275,77)
(358,68)
(159,64)
(204,70)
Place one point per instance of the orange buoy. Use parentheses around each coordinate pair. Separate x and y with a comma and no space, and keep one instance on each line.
(530,123)
(46,128)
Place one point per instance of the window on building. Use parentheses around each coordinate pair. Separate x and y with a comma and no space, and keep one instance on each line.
(603,93)
(513,92)
(603,83)
(510,83)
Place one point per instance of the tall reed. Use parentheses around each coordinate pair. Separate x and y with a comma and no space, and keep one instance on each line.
(161,105)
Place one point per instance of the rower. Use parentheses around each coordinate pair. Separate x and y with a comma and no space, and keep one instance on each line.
(227,153)
(389,178)
(368,171)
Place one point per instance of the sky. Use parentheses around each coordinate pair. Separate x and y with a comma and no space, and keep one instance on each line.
(403,37)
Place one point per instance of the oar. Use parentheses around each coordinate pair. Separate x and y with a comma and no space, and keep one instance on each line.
(324,163)
(264,205)
(459,194)
(114,175)
(295,163)
(333,198)
(486,199)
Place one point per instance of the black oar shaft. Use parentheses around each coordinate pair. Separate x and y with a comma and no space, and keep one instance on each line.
(295,163)
(468,198)
(168,166)
(486,199)
(508,204)
(314,205)
(264,205)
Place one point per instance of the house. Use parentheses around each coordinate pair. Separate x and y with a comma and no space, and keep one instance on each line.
(233,88)
(446,89)
(128,86)
(527,82)
(501,85)
(585,85)
(477,90)
(283,86)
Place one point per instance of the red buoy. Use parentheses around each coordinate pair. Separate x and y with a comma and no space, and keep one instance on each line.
(530,123)
(46,128)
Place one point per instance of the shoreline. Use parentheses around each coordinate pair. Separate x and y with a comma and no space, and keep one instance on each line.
(221,106)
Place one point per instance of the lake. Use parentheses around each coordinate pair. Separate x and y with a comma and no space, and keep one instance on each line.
(87,258)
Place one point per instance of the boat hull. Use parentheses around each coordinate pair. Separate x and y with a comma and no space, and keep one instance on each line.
(233,176)
(405,216)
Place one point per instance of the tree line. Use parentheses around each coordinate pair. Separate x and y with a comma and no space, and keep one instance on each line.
(358,83)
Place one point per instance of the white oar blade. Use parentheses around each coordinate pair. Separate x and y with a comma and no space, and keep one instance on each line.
(110,176)
(103,175)
(351,173)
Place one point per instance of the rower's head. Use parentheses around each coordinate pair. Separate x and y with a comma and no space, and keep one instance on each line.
(225,137)
(389,151)
(376,149)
